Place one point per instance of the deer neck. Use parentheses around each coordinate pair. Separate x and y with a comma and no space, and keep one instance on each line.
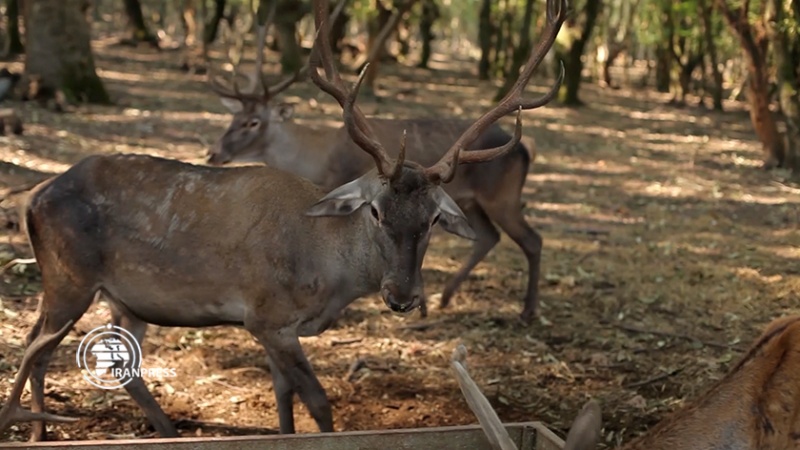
(357,265)
(299,149)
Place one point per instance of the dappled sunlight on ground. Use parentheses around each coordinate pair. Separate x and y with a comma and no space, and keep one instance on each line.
(652,216)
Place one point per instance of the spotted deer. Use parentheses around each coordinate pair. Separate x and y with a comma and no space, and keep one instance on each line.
(182,245)
(489,193)
(756,406)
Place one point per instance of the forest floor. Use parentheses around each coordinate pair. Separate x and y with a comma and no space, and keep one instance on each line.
(655,218)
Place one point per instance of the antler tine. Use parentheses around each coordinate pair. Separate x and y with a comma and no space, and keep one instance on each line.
(487,417)
(444,169)
(12,411)
(354,119)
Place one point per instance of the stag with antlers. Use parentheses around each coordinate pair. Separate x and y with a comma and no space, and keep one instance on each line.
(489,193)
(176,244)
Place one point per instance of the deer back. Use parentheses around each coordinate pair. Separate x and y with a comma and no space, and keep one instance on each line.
(755,406)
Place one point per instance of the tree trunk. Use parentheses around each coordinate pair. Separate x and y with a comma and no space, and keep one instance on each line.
(573,63)
(520,53)
(614,50)
(288,13)
(685,75)
(706,13)
(663,68)
(212,26)
(664,50)
(430,13)
(787,57)
(139,30)
(59,54)
(189,22)
(485,36)
(378,45)
(754,46)
(339,29)
(15,46)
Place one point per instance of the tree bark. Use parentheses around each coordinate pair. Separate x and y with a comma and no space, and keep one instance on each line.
(787,57)
(520,53)
(485,33)
(430,14)
(755,44)
(136,25)
(707,15)
(288,13)
(212,26)
(15,46)
(189,22)
(59,54)
(378,44)
(338,29)
(664,50)
(568,94)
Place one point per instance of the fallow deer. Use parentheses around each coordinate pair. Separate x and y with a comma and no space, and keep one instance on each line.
(490,193)
(176,244)
(756,406)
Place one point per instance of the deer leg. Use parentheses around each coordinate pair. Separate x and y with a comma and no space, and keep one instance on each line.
(291,370)
(136,387)
(284,396)
(53,324)
(509,217)
(488,237)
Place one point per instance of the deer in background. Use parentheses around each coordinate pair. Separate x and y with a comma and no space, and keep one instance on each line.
(176,244)
(756,406)
(488,193)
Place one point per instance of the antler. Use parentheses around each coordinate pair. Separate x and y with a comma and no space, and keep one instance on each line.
(491,424)
(354,119)
(444,169)
(12,411)
(268,92)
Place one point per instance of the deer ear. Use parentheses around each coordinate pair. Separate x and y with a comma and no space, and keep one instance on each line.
(451,218)
(233,105)
(341,201)
(282,112)
(585,430)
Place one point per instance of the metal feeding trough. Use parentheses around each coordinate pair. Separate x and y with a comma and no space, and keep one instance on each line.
(526,436)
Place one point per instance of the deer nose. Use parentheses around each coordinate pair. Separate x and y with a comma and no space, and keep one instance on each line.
(215,158)
(398,301)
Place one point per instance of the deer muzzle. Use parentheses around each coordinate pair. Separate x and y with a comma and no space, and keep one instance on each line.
(400,300)
(215,156)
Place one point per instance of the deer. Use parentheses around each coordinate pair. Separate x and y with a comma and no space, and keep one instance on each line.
(756,405)
(489,193)
(182,245)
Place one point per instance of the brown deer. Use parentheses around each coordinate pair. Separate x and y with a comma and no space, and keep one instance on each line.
(176,244)
(756,406)
(489,193)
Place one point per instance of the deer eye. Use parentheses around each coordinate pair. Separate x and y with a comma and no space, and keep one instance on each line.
(253,123)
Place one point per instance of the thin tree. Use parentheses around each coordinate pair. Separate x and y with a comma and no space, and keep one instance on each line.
(520,53)
(572,57)
(139,30)
(755,45)
(14,46)
(59,55)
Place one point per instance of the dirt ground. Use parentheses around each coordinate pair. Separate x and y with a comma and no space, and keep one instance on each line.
(655,218)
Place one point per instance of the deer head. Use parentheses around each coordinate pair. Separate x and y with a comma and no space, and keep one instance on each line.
(403,200)
(249,132)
